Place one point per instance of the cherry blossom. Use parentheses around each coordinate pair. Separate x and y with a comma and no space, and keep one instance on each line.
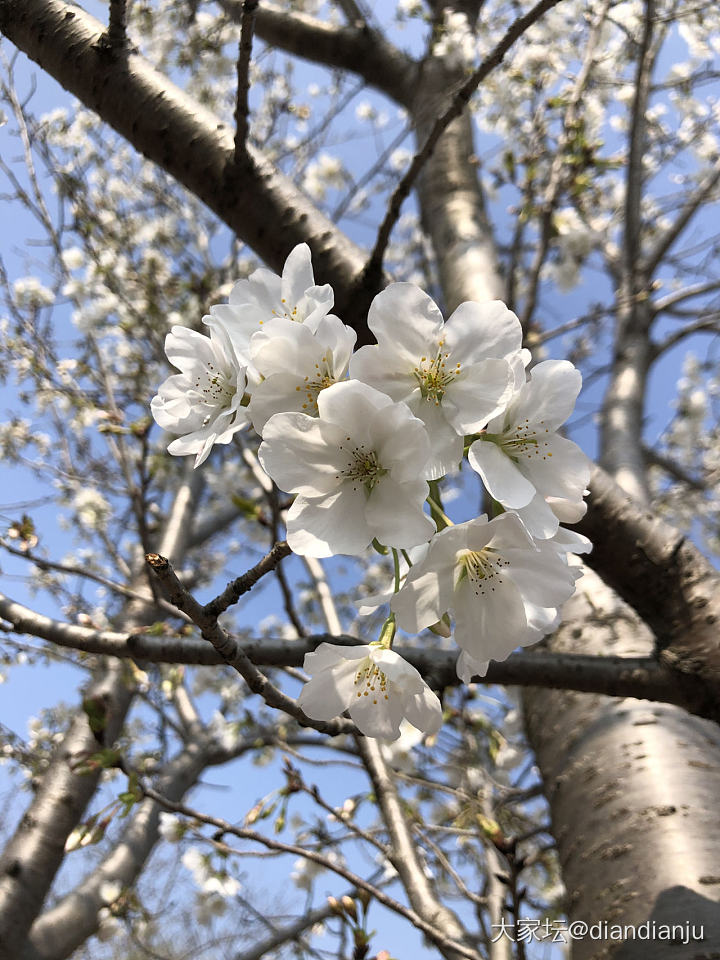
(264,296)
(296,364)
(202,403)
(455,375)
(375,685)
(357,469)
(502,586)
(521,455)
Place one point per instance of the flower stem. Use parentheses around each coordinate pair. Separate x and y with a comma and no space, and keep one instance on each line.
(441,519)
(387,633)
(396,568)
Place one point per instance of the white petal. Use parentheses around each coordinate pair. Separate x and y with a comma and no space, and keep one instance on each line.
(424,710)
(297,274)
(446,444)
(501,477)
(301,454)
(384,370)
(482,392)
(187,349)
(538,518)
(394,513)
(550,394)
(405,321)
(327,695)
(479,330)
(542,576)
(352,406)
(314,305)
(328,655)
(489,624)
(377,716)
(333,524)
(560,469)
(468,667)
(571,542)
(400,441)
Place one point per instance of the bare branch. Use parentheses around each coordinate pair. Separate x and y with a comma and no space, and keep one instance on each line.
(686,293)
(559,164)
(404,854)
(459,102)
(436,934)
(360,50)
(701,195)
(704,324)
(660,573)
(640,677)
(117,29)
(232,653)
(638,135)
(184,139)
(242,110)
(236,588)
(35,852)
(673,469)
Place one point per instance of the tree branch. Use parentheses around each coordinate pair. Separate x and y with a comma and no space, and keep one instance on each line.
(117,29)
(33,855)
(242,110)
(660,573)
(640,677)
(404,856)
(688,211)
(437,935)
(164,124)
(457,106)
(242,584)
(360,50)
(706,324)
(635,178)
(231,652)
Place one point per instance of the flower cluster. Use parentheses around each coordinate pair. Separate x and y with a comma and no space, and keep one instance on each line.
(360,438)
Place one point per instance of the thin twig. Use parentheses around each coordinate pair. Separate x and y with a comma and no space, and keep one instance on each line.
(236,588)
(231,652)
(459,102)
(242,833)
(242,109)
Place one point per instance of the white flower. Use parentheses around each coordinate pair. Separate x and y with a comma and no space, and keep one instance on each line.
(521,455)
(110,890)
(264,295)
(454,376)
(203,402)
(375,685)
(502,587)
(303,876)
(172,827)
(296,365)
(357,469)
